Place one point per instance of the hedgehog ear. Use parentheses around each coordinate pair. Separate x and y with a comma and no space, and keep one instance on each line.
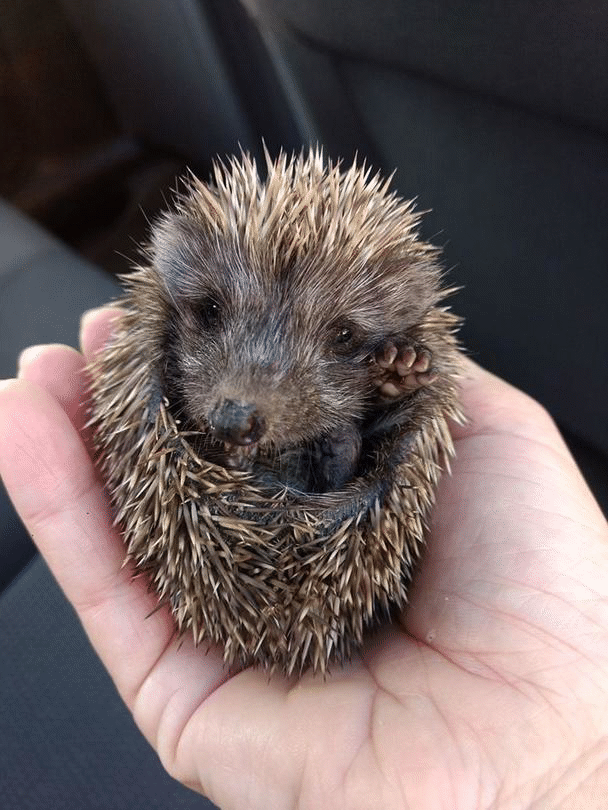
(177,255)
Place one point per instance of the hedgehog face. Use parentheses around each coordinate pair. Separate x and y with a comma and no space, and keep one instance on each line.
(276,297)
(261,359)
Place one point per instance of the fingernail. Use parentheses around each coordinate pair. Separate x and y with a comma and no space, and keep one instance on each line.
(89,315)
(27,356)
(5,384)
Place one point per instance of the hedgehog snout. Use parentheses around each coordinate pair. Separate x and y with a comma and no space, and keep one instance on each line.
(237,423)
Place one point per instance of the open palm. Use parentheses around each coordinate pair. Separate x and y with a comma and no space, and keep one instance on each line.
(493,692)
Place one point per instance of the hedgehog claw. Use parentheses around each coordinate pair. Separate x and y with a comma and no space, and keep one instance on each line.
(400,371)
(385,358)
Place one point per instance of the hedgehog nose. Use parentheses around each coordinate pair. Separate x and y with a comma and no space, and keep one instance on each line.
(237,423)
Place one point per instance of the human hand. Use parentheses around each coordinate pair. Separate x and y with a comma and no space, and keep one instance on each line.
(491,694)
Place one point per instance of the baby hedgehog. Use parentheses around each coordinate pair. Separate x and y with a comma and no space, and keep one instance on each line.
(271,414)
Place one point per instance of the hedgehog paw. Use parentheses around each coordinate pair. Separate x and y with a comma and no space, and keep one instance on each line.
(402,370)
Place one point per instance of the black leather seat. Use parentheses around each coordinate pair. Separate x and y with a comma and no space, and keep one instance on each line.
(44,287)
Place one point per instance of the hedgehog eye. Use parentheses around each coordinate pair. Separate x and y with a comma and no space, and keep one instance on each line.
(209,312)
(343,338)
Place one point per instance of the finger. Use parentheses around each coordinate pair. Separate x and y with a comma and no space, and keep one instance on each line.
(51,480)
(96,327)
(493,406)
(61,371)
(495,410)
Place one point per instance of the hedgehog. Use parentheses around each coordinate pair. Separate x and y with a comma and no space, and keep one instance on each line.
(271,415)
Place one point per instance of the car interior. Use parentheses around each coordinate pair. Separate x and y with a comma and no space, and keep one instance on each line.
(494,116)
